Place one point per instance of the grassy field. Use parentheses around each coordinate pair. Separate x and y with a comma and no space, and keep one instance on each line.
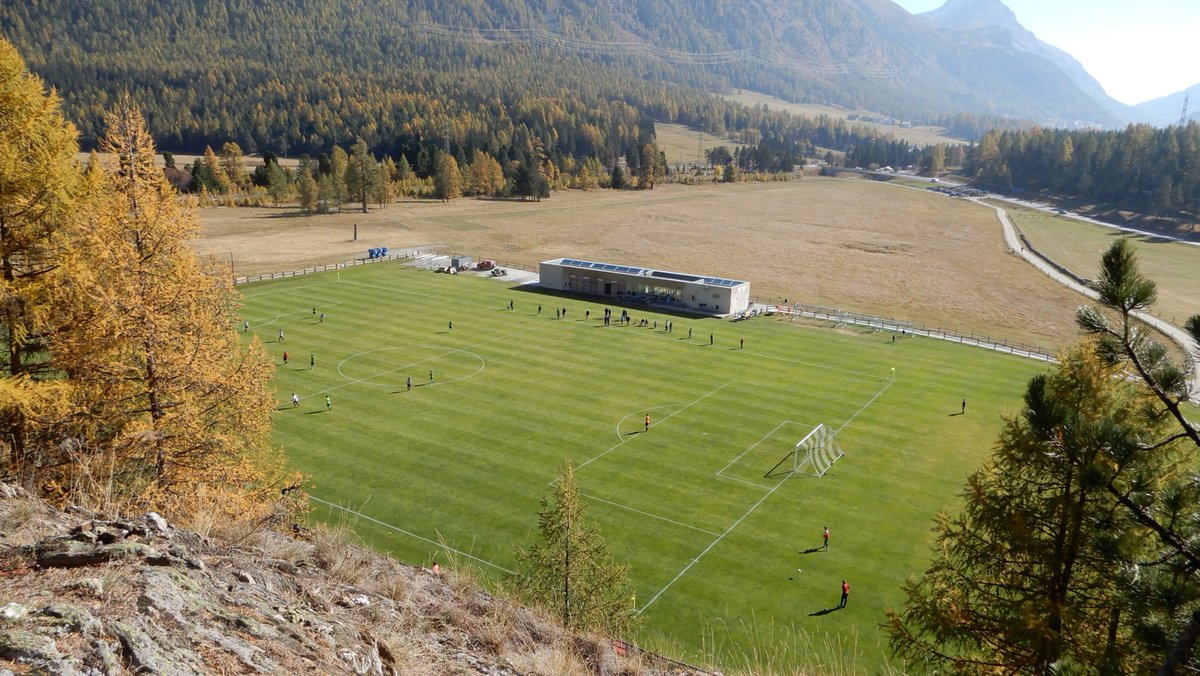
(919,136)
(852,244)
(723,558)
(1077,246)
(682,145)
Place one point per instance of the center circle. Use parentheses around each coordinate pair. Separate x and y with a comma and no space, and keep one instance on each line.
(393,366)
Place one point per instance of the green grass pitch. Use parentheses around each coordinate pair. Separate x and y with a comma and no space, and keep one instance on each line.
(454,469)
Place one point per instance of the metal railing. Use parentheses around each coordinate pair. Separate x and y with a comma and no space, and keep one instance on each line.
(266,276)
(913,328)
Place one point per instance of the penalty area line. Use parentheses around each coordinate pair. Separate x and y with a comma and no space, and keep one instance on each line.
(411,535)
(666,418)
(652,516)
(714,543)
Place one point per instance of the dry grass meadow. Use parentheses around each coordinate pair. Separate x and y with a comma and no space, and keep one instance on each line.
(918,136)
(847,243)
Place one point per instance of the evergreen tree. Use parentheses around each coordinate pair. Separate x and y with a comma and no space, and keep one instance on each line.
(278,185)
(568,570)
(1032,573)
(617,181)
(361,173)
(1166,601)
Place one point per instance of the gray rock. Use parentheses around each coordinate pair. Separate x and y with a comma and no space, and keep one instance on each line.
(13,612)
(149,650)
(78,619)
(25,646)
(159,523)
(71,554)
(103,659)
(91,585)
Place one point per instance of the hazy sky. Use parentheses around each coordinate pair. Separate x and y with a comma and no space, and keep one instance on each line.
(1137,50)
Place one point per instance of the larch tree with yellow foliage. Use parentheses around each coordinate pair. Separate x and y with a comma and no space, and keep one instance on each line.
(38,176)
(176,411)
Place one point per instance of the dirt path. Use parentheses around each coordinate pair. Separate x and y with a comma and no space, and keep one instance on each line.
(1173,332)
(851,244)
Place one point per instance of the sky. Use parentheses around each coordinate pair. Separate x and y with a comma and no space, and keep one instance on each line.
(1137,49)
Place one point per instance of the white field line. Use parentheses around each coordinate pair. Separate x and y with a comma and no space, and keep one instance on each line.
(668,417)
(620,422)
(864,406)
(652,516)
(714,543)
(399,291)
(482,364)
(751,510)
(859,374)
(412,535)
(277,291)
(467,349)
(748,483)
(752,447)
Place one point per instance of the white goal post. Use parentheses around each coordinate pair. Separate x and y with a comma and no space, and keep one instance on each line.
(813,455)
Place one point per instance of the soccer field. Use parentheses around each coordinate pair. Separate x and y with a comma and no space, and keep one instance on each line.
(723,556)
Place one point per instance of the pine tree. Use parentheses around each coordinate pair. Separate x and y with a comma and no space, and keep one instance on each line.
(278,185)
(361,174)
(569,571)
(37,201)
(1170,509)
(1033,571)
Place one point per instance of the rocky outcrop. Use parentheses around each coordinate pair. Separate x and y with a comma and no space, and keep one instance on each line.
(88,595)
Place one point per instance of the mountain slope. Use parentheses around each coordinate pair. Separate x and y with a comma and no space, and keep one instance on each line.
(990,22)
(1166,109)
(317,72)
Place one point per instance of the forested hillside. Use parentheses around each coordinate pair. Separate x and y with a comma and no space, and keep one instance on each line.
(583,79)
(1141,168)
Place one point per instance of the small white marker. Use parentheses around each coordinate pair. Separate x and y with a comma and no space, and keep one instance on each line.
(798,570)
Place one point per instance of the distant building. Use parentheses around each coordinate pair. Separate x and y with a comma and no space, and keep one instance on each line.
(695,293)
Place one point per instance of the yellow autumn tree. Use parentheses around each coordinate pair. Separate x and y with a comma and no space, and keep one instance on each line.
(38,175)
(176,413)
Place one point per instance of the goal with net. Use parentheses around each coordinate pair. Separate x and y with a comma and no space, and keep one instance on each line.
(813,455)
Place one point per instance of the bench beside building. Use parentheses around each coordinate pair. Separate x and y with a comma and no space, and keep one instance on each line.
(625,283)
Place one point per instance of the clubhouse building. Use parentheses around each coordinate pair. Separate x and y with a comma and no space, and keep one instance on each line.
(623,283)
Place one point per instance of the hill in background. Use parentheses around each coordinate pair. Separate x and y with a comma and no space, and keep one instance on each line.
(304,76)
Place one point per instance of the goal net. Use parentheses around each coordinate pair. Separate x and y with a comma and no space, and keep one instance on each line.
(813,455)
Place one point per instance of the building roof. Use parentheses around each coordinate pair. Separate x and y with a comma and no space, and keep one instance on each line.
(646,272)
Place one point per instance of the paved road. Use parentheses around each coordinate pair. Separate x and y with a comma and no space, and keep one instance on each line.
(1174,332)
